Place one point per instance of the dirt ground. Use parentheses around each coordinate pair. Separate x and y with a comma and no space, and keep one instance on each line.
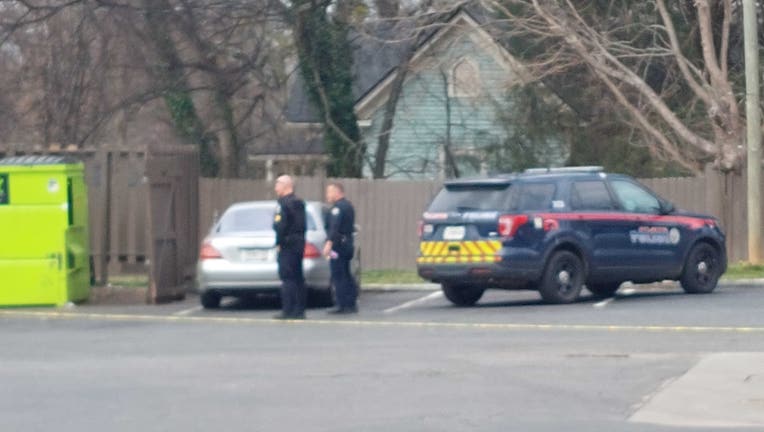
(115,294)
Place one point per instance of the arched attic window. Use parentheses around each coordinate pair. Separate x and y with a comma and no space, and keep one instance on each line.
(465,79)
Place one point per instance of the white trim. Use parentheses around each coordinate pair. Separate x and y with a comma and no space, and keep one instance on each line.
(452,90)
(287,157)
(303,124)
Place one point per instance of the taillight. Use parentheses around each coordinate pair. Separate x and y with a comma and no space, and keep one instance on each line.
(420,229)
(551,225)
(209,252)
(311,251)
(509,224)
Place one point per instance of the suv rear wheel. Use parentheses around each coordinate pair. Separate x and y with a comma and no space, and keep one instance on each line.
(563,278)
(702,269)
(462,295)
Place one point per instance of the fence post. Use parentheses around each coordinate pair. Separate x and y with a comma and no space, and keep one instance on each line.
(106,227)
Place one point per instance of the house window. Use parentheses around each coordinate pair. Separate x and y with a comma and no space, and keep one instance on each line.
(465,79)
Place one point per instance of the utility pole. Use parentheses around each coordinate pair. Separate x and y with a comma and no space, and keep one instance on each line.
(753,127)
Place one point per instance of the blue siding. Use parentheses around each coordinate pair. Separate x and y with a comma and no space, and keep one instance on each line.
(422,124)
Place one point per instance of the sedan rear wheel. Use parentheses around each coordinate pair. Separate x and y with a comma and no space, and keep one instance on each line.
(563,278)
(210,300)
(462,295)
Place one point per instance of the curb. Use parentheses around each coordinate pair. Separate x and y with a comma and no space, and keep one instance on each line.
(757,283)
(399,287)
(741,282)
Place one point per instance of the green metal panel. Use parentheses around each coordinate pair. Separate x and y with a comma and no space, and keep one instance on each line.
(4,189)
(44,255)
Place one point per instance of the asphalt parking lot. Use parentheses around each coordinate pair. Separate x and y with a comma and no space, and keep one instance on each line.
(652,358)
(655,305)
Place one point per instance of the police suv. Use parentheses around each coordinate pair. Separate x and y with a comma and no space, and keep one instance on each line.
(556,230)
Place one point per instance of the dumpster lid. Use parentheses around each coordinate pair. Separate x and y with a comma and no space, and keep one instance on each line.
(38,160)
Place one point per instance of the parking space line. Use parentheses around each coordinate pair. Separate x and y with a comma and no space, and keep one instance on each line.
(623,292)
(185,312)
(604,303)
(372,323)
(188,311)
(415,302)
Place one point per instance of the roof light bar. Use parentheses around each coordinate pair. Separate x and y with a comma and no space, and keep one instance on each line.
(570,169)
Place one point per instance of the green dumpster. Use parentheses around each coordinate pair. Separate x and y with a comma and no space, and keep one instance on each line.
(45,250)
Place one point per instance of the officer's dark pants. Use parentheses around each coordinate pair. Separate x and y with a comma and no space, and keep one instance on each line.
(345,287)
(293,292)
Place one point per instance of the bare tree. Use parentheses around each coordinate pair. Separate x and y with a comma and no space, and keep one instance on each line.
(619,64)
(217,65)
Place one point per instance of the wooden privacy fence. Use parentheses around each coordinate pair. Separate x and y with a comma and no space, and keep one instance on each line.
(387,211)
(117,197)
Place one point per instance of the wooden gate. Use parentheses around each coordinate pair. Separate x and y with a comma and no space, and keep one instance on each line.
(173,202)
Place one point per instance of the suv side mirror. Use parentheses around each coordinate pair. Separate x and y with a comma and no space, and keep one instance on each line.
(667,207)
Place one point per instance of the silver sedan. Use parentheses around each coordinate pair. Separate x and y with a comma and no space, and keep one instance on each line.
(238,256)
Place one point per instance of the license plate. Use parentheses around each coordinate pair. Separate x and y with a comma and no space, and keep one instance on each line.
(254,254)
(453,233)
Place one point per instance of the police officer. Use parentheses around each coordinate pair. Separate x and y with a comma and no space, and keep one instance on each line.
(289,224)
(339,249)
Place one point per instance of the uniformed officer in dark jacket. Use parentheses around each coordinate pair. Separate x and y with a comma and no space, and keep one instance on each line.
(339,249)
(289,224)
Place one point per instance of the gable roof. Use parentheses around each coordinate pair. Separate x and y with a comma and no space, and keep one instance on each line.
(377,51)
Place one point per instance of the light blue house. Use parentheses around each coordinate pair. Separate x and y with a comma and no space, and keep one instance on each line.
(448,118)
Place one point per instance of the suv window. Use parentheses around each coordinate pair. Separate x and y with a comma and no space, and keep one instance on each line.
(533,196)
(634,198)
(470,197)
(590,195)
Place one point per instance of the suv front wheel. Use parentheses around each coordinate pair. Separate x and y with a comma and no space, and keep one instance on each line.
(563,278)
(462,295)
(702,269)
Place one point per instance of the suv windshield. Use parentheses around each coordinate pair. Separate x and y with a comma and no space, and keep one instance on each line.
(463,198)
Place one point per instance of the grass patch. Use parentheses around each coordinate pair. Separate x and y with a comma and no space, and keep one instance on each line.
(744,270)
(739,270)
(390,277)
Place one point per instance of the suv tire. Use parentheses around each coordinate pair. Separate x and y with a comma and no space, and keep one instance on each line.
(210,300)
(563,278)
(462,295)
(702,269)
(603,290)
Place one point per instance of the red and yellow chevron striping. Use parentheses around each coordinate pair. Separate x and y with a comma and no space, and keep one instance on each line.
(461,252)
